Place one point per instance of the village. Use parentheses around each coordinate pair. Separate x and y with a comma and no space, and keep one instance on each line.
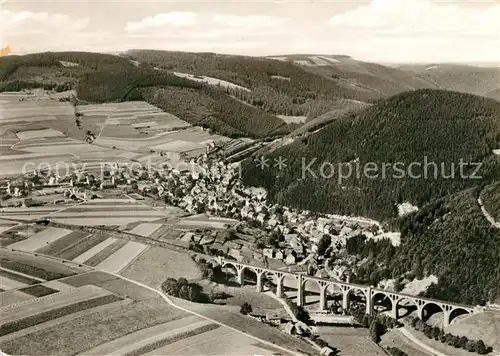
(265,233)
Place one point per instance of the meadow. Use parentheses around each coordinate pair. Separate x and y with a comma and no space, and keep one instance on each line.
(157,263)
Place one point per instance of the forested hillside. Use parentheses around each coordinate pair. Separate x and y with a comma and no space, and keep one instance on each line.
(392,140)
(281,88)
(195,102)
(215,109)
(48,70)
(448,238)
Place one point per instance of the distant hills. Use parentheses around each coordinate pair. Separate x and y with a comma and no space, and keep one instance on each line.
(371,81)
(427,124)
(319,87)
(457,77)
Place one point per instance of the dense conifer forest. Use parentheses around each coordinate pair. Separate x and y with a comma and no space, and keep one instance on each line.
(424,126)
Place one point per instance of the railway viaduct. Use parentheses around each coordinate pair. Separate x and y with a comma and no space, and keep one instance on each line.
(423,305)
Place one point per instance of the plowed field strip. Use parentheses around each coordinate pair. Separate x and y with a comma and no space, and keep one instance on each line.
(63,319)
(143,337)
(38,290)
(17,277)
(17,325)
(116,213)
(8,284)
(41,239)
(31,270)
(25,309)
(121,258)
(61,244)
(22,274)
(105,253)
(107,208)
(82,246)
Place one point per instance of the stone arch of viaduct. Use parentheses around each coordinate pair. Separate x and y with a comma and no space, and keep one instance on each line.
(422,305)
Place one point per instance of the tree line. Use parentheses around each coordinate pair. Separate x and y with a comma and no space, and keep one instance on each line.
(439,334)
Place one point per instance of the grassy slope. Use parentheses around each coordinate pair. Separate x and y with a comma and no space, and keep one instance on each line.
(484,326)
(345,107)
(491,200)
(442,126)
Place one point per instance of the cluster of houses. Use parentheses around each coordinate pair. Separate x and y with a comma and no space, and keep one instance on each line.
(18,188)
(214,187)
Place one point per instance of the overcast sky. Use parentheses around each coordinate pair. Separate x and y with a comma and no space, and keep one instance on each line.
(380,30)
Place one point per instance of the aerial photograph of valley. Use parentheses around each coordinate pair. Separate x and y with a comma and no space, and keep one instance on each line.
(229,178)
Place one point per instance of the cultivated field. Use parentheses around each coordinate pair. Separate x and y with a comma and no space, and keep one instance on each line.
(157,263)
(213,340)
(26,277)
(72,327)
(211,81)
(37,266)
(109,212)
(250,326)
(93,249)
(39,240)
(122,257)
(97,313)
(31,213)
(192,141)
(145,229)
(16,233)
(38,128)
(133,119)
